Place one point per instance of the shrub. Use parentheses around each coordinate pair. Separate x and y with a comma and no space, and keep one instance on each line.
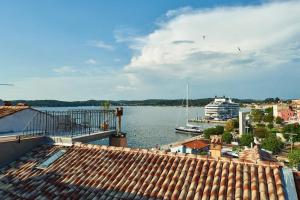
(268,118)
(278,120)
(260,132)
(256,115)
(246,140)
(229,126)
(272,143)
(270,126)
(227,137)
(294,158)
(218,130)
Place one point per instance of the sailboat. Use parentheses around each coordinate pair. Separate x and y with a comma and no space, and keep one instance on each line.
(189,128)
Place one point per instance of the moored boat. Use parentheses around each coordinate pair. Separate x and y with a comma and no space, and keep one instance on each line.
(189,128)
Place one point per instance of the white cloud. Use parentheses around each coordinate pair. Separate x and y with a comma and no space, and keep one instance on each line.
(203,44)
(268,63)
(65,70)
(125,34)
(100,44)
(91,61)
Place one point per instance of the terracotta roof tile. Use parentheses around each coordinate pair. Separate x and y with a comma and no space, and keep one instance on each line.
(196,144)
(100,172)
(255,155)
(8,110)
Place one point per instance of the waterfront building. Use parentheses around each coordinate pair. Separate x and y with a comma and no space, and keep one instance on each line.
(195,147)
(222,108)
(90,171)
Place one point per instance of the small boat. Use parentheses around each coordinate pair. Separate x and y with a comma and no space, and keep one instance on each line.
(193,130)
(189,128)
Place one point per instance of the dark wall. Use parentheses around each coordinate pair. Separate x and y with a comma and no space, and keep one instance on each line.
(11,150)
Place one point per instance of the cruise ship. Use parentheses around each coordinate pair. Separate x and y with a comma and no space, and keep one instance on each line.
(222,108)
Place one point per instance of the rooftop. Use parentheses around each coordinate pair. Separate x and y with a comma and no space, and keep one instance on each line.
(196,144)
(101,172)
(255,154)
(8,110)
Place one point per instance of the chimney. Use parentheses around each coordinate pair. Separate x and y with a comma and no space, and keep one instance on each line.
(215,146)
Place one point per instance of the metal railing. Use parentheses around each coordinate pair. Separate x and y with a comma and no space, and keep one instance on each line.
(70,123)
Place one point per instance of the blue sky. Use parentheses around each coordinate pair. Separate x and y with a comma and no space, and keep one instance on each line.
(79,50)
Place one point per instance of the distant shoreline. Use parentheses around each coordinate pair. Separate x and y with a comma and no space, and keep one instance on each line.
(149,102)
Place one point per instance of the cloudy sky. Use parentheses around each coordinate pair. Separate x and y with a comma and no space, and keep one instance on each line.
(140,49)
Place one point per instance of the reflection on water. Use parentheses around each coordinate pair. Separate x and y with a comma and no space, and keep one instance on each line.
(147,126)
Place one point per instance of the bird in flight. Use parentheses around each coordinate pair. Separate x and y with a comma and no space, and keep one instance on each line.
(238,48)
(203,37)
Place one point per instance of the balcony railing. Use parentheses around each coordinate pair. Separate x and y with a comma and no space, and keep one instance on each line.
(70,123)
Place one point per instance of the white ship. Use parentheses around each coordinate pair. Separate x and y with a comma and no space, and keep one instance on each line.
(222,108)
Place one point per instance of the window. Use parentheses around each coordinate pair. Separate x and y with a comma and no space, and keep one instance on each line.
(55,156)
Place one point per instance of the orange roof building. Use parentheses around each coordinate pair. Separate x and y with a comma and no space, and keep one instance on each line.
(101,172)
(196,144)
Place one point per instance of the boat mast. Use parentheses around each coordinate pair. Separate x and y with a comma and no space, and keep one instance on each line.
(187,103)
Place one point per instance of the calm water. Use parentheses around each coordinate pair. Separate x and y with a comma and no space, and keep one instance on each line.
(147,126)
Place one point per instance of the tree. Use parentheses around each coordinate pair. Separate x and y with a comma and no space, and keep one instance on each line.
(218,130)
(268,118)
(269,110)
(106,105)
(208,132)
(270,126)
(246,140)
(272,143)
(229,126)
(227,137)
(278,120)
(256,115)
(294,158)
(260,132)
(236,123)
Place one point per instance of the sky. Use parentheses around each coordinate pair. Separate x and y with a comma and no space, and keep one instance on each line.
(140,49)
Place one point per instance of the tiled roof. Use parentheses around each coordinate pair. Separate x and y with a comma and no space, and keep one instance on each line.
(8,110)
(101,172)
(196,144)
(255,154)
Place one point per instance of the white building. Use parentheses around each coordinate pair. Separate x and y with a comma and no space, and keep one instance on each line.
(194,147)
(243,122)
(14,119)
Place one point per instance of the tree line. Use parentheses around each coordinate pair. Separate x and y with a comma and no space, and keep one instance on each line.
(148,102)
